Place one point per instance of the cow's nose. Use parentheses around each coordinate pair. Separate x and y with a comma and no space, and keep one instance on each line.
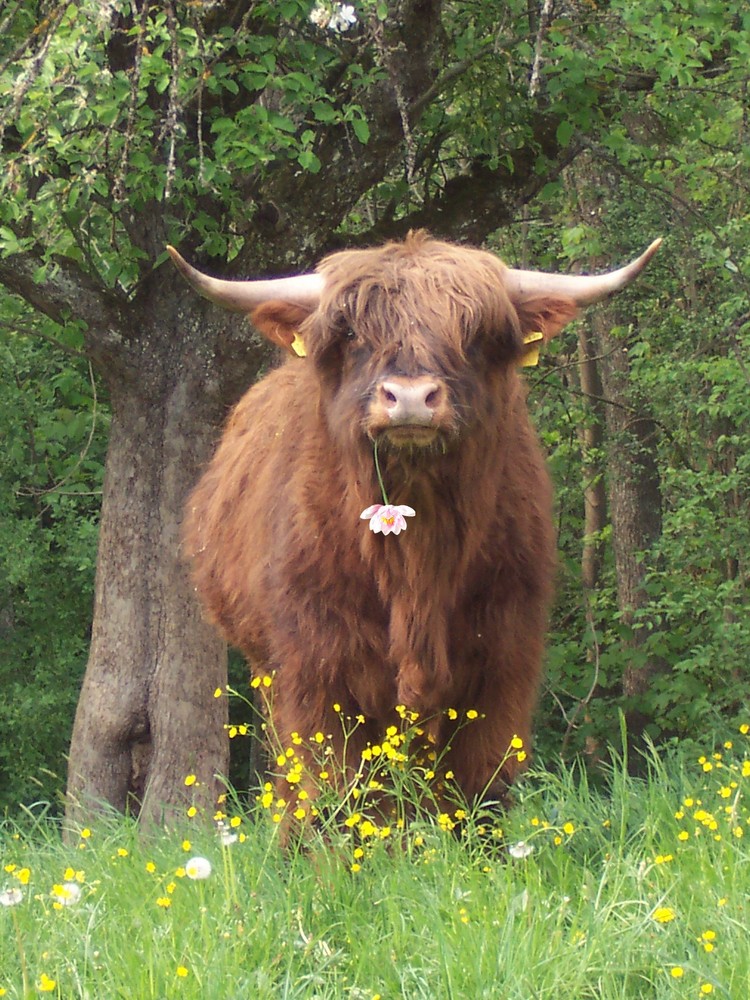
(411,401)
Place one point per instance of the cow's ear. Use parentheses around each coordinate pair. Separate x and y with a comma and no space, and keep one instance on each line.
(279,322)
(546,314)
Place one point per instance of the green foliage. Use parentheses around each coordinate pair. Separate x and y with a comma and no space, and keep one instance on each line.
(136,107)
(687,340)
(53,430)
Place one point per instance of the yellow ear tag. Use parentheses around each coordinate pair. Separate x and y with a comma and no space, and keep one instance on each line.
(531,357)
(298,346)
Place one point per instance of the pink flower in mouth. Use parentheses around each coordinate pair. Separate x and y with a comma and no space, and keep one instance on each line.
(387,518)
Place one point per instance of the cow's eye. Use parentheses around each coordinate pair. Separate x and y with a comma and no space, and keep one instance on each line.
(349,334)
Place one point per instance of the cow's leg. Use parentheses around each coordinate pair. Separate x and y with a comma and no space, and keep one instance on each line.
(316,736)
(490,742)
(499,653)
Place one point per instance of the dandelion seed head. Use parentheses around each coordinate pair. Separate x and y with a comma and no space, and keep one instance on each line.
(522,849)
(67,894)
(198,868)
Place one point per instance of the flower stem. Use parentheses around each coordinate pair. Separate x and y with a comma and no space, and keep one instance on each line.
(377,470)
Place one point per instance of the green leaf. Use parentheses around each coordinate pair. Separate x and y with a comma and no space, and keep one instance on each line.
(564,133)
(361,130)
(324,112)
(9,242)
(309,161)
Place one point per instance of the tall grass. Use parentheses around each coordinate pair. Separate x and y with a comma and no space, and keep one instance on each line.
(637,887)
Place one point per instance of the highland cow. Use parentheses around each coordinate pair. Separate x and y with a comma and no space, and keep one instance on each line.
(416,346)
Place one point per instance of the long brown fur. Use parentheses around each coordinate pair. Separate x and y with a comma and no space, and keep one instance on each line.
(451,613)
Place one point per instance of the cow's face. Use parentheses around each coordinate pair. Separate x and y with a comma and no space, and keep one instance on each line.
(409,360)
(414,343)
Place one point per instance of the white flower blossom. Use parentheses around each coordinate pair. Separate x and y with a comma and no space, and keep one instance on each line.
(337,17)
(198,868)
(320,16)
(342,19)
(387,518)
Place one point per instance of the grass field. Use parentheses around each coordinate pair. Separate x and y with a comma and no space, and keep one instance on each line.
(638,887)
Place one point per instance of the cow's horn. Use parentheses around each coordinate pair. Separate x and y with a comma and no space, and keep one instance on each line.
(244,296)
(583,289)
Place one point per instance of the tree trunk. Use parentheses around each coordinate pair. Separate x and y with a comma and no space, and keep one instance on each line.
(591,437)
(147,718)
(634,490)
(592,440)
(632,473)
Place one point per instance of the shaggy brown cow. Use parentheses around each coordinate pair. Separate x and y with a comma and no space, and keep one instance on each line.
(413,345)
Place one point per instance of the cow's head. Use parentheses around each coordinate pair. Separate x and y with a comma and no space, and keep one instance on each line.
(405,338)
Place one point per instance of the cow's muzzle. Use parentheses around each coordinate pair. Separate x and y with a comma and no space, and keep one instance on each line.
(410,411)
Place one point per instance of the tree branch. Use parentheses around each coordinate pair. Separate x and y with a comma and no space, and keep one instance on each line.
(66,291)
(70,292)
(411,37)
(476,203)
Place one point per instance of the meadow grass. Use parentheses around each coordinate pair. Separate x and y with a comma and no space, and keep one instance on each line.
(635,887)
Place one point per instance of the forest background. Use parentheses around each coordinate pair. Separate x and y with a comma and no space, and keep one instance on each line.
(258,136)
